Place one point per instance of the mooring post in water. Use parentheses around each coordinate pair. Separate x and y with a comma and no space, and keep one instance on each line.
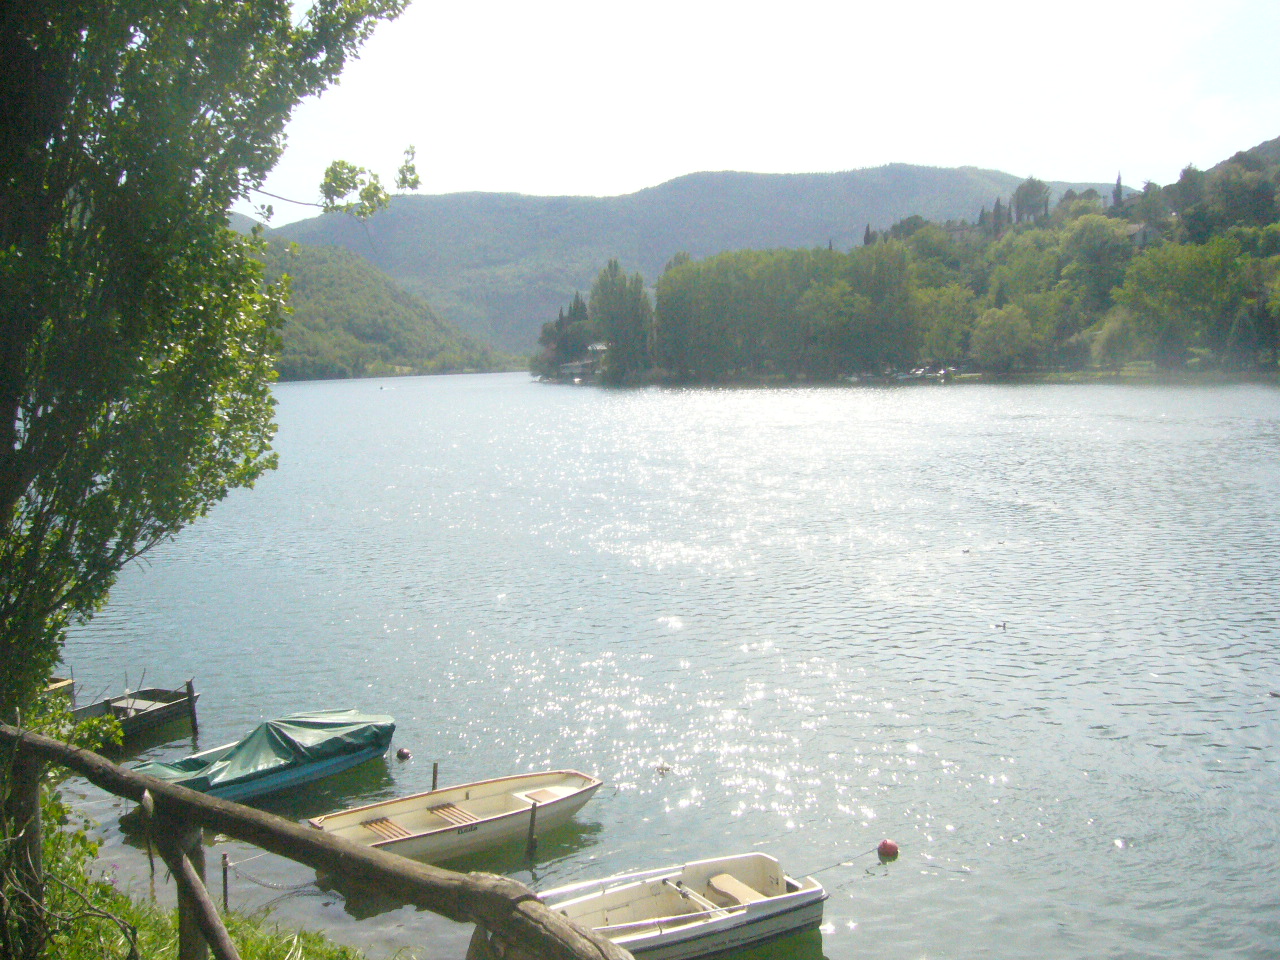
(226,864)
(435,774)
(533,829)
(191,704)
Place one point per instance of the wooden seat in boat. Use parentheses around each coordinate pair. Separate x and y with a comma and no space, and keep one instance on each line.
(455,815)
(734,890)
(386,828)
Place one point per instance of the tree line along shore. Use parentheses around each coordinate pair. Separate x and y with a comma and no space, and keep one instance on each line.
(1182,280)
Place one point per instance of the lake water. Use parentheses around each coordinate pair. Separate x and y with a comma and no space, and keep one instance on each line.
(1028,632)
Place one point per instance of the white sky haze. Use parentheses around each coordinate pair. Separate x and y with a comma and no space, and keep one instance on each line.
(581,97)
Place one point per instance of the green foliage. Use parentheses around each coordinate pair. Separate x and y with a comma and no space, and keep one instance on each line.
(1115,340)
(87,915)
(1063,291)
(1031,200)
(343,179)
(91,918)
(407,176)
(1004,340)
(353,190)
(1184,295)
(946,321)
(567,339)
(620,310)
(349,320)
(498,266)
(136,331)
(1095,252)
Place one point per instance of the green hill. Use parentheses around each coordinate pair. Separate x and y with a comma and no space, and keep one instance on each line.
(350,320)
(500,265)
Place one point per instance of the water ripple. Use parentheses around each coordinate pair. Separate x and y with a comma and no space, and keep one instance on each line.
(1028,632)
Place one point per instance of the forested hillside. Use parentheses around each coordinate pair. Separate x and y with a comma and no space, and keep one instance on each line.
(497,265)
(1176,276)
(350,320)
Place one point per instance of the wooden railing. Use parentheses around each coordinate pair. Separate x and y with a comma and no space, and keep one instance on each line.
(511,922)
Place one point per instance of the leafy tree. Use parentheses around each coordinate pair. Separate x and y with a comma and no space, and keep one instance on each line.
(1115,340)
(620,310)
(883,275)
(1031,200)
(1004,340)
(1023,263)
(1185,295)
(1240,196)
(1095,252)
(136,333)
(565,339)
(907,226)
(839,321)
(946,321)
(1188,191)
(1000,218)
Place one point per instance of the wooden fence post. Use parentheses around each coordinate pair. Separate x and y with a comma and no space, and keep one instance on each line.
(520,925)
(22,813)
(181,846)
(189,843)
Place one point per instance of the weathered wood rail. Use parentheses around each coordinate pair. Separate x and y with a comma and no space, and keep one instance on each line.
(511,922)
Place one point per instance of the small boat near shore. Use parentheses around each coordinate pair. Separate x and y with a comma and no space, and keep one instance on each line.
(696,910)
(139,711)
(280,753)
(64,687)
(442,824)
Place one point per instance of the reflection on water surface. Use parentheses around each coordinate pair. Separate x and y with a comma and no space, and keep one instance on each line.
(1028,632)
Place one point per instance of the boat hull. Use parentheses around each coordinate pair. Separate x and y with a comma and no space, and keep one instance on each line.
(443,824)
(279,754)
(700,909)
(293,777)
(674,945)
(142,710)
(474,837)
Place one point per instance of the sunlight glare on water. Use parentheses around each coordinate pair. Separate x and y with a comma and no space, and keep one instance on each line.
(1030,633)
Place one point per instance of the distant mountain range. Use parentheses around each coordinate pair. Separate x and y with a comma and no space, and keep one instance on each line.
(499,265)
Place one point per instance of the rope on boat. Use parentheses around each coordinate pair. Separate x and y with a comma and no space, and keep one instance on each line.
(842,862)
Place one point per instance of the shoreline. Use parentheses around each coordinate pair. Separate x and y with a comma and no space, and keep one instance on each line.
(1129,376)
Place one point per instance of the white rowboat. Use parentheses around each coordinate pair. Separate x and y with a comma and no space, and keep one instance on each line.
(696,910)
(442,824)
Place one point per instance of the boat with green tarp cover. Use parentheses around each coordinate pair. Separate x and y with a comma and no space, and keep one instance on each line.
(280,753)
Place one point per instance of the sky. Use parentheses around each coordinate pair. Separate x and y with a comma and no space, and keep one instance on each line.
(591,98)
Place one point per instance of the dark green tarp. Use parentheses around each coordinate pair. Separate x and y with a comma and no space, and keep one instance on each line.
(276,747)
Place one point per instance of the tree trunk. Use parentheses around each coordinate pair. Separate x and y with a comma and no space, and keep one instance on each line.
(22,814)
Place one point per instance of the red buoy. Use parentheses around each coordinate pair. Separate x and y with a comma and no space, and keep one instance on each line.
(888,850)
(404,754)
